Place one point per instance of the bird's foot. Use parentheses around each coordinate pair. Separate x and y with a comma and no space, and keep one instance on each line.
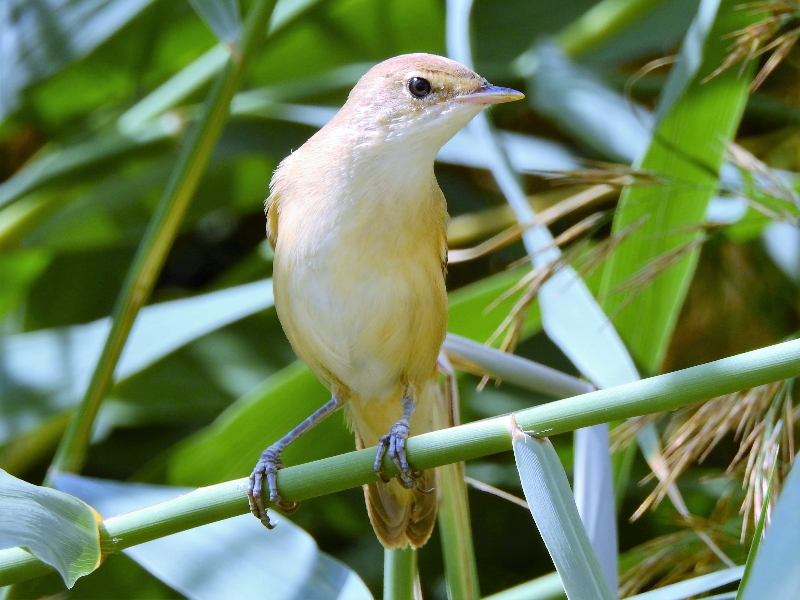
(394,443)
(267,467)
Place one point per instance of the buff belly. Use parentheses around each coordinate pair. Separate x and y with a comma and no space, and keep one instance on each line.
(371,323)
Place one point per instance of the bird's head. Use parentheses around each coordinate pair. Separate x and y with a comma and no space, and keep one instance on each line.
(419,101)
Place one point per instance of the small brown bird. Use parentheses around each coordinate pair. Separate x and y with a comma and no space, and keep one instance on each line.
(357,221)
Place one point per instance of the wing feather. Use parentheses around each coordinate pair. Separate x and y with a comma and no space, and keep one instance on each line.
(271,208)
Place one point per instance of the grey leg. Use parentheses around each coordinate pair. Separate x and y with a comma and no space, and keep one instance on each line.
(395,443)
(270,462)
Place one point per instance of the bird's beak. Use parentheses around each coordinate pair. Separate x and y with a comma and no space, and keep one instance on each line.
(492,94)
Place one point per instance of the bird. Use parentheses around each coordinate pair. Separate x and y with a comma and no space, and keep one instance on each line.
(358,222)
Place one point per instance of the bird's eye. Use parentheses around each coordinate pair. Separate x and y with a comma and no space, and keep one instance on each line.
(419,87)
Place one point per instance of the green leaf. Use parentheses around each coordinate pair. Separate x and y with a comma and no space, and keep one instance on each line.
(177,88)
(57,528)
(758,534)
(455,531)
(18,270)
(222,16)
(39,38)
(696,117)
(234,558)
(57,363)
(470,316)
(84,158)
(775,573)
(553,508)
(694,586)
(230,446)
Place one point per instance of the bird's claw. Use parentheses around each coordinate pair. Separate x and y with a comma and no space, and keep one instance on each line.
(267,467)
(394,443)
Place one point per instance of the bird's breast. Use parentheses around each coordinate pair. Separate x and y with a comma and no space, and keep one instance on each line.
(359,287)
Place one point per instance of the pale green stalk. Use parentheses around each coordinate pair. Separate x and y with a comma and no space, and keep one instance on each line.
(399,572)
(474,440)
(158,239)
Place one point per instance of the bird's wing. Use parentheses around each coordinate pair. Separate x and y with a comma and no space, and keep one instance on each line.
(271,208)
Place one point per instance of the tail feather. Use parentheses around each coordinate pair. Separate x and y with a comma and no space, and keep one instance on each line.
(404,517)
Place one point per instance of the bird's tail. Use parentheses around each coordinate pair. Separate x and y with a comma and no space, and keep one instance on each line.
(404,517)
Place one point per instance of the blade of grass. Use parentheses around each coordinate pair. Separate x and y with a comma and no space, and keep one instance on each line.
(775,573)
(598,517)
(758,534)
(553,508)
(86,157)
(694,121)
(465,442)
(694,586)
(164,226)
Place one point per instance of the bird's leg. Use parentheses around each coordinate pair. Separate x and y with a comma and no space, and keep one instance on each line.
(270,462)
(394,443)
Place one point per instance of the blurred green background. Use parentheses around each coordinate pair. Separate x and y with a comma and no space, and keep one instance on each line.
(95,101)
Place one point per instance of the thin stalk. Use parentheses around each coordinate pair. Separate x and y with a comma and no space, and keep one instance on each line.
(465,442)
(160,234)
(515,369)
(399,572)
(460,568)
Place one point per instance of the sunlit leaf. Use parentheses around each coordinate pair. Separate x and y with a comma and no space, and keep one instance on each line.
(776,570)
(553,507)
(56,527)
(694,586)
(594,496)
(694,118)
